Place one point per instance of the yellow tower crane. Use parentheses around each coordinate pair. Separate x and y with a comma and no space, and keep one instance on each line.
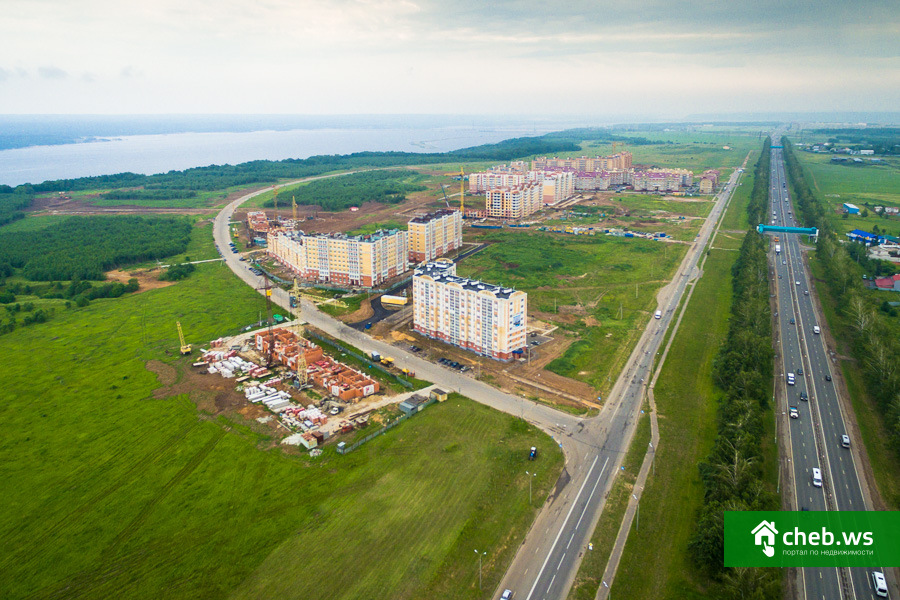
(294,207)
(185,348)
(462,191)
(302,374)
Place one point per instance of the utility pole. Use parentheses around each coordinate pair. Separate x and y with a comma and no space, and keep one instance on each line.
(480,554)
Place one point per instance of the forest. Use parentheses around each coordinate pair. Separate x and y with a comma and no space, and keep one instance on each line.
(340,193)
(732,474)
(13,201)
(86,247)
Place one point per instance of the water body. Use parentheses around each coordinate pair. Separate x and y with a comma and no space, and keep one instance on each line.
(148,154)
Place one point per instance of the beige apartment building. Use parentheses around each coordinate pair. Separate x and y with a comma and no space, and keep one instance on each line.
(584,164)
(514,202)
(434,235)
(364,260)
(477,316)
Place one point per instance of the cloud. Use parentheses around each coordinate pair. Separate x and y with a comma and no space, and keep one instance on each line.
(129,71)
(52,73)
(4,74)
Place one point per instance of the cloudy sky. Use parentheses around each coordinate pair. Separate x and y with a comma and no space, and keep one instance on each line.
(653,57)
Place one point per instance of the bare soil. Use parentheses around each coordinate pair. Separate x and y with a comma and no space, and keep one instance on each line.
(148,280)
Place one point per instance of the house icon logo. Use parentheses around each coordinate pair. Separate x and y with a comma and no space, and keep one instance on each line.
(764,535)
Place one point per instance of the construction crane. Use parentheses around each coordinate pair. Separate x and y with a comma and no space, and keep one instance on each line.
(275,199)
(462,192)
(302,374)
(267,291)
(185,348)
(294,207)
(446,199)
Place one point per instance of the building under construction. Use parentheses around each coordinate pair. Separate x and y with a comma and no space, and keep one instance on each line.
(336,378)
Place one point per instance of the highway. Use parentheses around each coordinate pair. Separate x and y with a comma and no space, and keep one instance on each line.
(548,559)
(814,439)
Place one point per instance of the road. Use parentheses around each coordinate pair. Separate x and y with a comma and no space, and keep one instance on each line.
(814,440)
(547,562)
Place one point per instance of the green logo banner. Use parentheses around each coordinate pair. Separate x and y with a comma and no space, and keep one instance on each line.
(812,539)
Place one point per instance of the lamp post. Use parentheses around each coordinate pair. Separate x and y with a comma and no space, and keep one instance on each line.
(480,554)
(638,527)
(531,476)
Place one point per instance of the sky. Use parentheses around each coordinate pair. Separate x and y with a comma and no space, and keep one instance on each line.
(651,57)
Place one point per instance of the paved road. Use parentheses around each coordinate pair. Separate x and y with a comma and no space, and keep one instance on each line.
(548,560)
(815,438)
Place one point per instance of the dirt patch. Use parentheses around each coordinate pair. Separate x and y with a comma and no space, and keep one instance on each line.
(591,321)
(399,336)
(148,280)
(165,374)
(364,311)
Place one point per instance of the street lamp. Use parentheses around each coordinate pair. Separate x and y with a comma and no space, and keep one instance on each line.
(480,554)
(530,478)
(638,528)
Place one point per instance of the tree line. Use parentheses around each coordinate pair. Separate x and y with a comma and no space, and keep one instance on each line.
(340,193)
(864,321)
(732,473)
(86,247)
(13,202)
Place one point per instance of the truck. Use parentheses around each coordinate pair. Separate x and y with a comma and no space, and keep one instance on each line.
(376,357)
(387,361)
(777,248)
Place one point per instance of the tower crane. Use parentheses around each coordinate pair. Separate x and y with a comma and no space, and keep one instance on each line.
(294,207)
(462,192)
(302,374)
(275,199)
(267,291)
(446,199)
(185,348)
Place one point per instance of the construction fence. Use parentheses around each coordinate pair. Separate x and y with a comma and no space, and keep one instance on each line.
(343,449)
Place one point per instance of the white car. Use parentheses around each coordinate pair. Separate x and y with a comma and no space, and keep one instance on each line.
(507,595)
(795,414)
(880,584)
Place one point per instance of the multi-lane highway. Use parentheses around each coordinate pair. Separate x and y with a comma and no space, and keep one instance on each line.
(815,438)
(547,562)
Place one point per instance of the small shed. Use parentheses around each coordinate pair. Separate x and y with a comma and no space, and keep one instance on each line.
(309,441)
(851,209)
(320,437)
(438,394)
(413,404)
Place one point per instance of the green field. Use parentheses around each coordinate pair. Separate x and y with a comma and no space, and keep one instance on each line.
(686,399)
(33,223)
(593,277)
(865,186)
(121,494)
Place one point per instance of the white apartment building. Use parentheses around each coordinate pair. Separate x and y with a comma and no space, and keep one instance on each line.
(477,316)
(434,235)
(365,260)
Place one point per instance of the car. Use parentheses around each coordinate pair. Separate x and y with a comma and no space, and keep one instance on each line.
(415,349)
(784,262)
(845,441)
(795,413)
(880,584)
(797,282)
(827,377)
(779,276)
(792,320)
(806,292)
(242,259)
(817,477)
(444,361)
(799,370)
(454,364)
(803,396)
(532,454)
(507,595)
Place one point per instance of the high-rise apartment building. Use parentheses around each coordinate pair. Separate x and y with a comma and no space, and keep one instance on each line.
(514,202)
(434,235)
(474,315)
(364,260)
(621,160)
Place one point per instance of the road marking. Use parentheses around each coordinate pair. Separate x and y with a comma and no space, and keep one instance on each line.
(552,546)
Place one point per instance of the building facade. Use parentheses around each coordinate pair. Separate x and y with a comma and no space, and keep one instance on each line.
(661,180)
(514,202)
(477,316)
(434,235)
(619,161)
(365,260)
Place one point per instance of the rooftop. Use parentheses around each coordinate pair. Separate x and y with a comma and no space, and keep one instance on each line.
(438,214)
(443,273)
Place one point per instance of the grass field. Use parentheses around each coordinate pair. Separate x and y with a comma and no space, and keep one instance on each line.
(872,185)
(686,399)
(120,494)
(33,223)
(592,277)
